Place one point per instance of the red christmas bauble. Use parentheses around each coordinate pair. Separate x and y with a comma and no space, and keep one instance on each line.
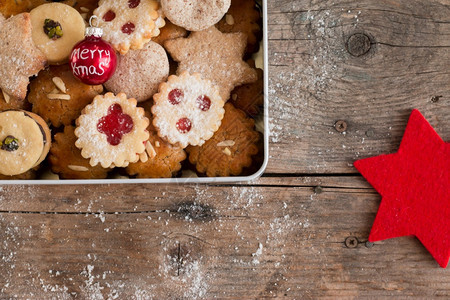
(93,60)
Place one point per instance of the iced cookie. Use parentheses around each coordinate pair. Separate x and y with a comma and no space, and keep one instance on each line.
(187,110)
(57,28)
(129,24)
(164,160)
(244,16)
(67,161)
(25,141)
(195,15)
(19,57)
(112,131)
(58,97)
(230,149)
(215,55)
(140,72)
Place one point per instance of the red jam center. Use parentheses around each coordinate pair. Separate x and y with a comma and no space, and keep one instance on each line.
(133,3)
(175,96)
(203,102)
(109,16)
(115,124)
(128,28)
(184,125)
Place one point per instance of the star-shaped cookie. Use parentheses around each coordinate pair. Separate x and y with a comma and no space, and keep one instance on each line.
(216,56)
(19,57)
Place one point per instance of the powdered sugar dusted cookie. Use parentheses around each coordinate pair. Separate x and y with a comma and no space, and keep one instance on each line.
(129,24)
(140,72)
(215,55)
(112,131)
(187,110)
(19,57)
(195,15)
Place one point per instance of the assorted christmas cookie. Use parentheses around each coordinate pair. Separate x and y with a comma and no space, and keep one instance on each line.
(250,97)
(28,175)
(244,16)
(140,72)
(170,31)
(215,55)
(230,149)
(195,15)
(129,24)
(25,141)
(19,57)
(7,102)
(164,159)
(187,110)
(57,28)
(67,161)
(58,97)
(112,131)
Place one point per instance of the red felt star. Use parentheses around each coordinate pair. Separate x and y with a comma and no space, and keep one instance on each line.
(414,183)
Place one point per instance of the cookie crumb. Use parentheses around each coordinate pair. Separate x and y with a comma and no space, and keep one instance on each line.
(143,157)
(58,97)
(59,84)
(78,168)
(157,144)
(84,9)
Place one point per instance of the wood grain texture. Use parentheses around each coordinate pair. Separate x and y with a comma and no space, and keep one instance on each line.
(237,241)
(314,81)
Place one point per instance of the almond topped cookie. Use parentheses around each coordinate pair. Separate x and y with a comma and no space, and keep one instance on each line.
(187,110)
(129,24)
(112,131)
(19,57)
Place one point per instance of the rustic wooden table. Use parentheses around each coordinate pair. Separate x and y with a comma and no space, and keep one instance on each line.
(301,230)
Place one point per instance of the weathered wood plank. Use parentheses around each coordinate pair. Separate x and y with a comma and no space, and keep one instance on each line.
(144,197)
(315,81)
(235,242)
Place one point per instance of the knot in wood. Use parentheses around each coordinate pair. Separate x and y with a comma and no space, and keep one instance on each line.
(318,190)
(340,126)
(351,242)
(435,99)
(358,44)
(191,210)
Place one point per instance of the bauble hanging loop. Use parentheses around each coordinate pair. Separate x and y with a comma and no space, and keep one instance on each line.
(93,60)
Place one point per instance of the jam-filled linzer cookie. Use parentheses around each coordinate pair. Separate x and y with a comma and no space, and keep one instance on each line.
(215,55)
(67,161)
(112,131)
(187,110)
(129,24)
(19,57)
(164,159)
(58,97)
(57,28)
(140,72)
(25,141)
(230,149)
(195,15)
